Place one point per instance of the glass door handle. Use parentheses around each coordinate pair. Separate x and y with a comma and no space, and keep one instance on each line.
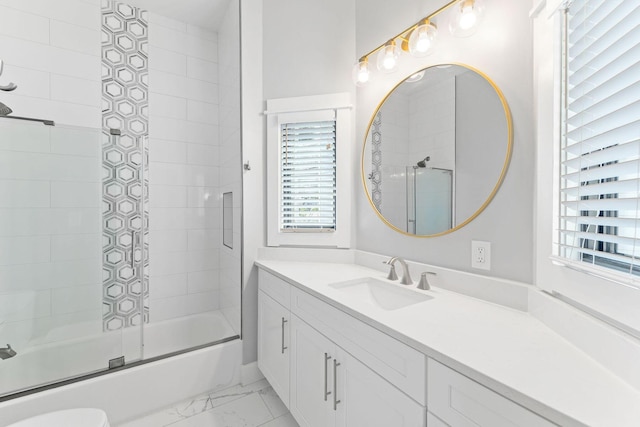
(133,251)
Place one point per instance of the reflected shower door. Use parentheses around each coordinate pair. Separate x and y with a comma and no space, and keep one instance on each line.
(433,193)
(52,262)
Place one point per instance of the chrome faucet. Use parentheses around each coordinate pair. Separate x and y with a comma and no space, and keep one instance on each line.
(406,277)
(7,352)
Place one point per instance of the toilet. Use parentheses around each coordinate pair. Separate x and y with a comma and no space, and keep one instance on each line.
(82,417)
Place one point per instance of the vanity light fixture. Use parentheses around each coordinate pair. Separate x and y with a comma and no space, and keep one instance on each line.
(361,72)
(423,39)
(388,57)
(419,39)
(465,18)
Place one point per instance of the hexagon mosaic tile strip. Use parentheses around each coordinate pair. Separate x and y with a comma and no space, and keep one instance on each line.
(376,162)
(125,187)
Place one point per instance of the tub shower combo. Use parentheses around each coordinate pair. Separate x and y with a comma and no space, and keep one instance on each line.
(78,294)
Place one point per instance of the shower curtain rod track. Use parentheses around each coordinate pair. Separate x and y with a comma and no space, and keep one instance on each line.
(30,119)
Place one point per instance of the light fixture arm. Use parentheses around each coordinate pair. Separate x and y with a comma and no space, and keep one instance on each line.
(403,35)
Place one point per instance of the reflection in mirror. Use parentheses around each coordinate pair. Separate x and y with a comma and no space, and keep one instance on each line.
(437,150)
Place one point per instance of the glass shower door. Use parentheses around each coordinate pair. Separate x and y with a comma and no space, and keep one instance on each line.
(125,216)
(433,195)
(53,263)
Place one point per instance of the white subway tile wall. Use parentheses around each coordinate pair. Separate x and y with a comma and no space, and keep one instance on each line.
(51,51)
(184,169)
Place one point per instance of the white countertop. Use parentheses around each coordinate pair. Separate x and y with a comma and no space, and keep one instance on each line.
(505,349)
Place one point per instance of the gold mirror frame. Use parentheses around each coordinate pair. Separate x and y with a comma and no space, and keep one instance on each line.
(503,173)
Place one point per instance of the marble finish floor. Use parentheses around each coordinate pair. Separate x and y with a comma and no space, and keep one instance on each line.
(253,405)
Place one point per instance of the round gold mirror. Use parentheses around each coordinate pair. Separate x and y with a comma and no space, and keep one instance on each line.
(436,150)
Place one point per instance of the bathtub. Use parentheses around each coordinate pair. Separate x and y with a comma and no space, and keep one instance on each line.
(190,331)
(134,392)
(47,363)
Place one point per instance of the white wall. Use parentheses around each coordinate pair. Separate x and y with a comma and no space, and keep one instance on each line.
(502,48)
(481,143)
(307,49)
(184,225)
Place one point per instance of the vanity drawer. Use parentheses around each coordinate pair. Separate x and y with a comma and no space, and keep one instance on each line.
(460,401)
(398,363)
(275,287)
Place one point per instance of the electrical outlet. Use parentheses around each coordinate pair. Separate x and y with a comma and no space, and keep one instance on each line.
(481,255)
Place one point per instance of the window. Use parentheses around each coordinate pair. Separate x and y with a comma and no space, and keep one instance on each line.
(308,171)
(308,176)
(599,218)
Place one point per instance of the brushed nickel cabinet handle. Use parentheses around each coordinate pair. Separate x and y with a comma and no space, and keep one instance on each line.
(326,392)
(335,384)
(283,346)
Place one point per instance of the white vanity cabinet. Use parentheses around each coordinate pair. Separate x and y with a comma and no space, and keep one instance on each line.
(332,369)
(273,331)
(329,387)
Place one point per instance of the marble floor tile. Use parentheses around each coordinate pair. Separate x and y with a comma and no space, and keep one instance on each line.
(252,405)
(283,421)
(207,401)
(273,402)
(248,411)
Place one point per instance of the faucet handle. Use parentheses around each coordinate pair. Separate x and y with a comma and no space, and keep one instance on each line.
(424,282)
(392,272)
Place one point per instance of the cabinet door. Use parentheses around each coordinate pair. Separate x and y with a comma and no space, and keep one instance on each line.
(461,402)
(311,382)
(433,421)
(273,344)
(367,400)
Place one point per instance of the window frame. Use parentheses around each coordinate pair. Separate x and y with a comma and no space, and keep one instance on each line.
(606,259)
(309,109)
(605,296)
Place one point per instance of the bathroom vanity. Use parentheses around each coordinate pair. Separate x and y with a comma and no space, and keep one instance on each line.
(343,346)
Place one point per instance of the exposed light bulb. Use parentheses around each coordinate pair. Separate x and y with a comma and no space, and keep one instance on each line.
(388,57)
(361,72)
(422,39)
(466,16)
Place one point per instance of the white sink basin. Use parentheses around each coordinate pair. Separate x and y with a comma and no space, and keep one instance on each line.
(379,293)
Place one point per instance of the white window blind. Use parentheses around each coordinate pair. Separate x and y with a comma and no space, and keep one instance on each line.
(600,154)
(308,176)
